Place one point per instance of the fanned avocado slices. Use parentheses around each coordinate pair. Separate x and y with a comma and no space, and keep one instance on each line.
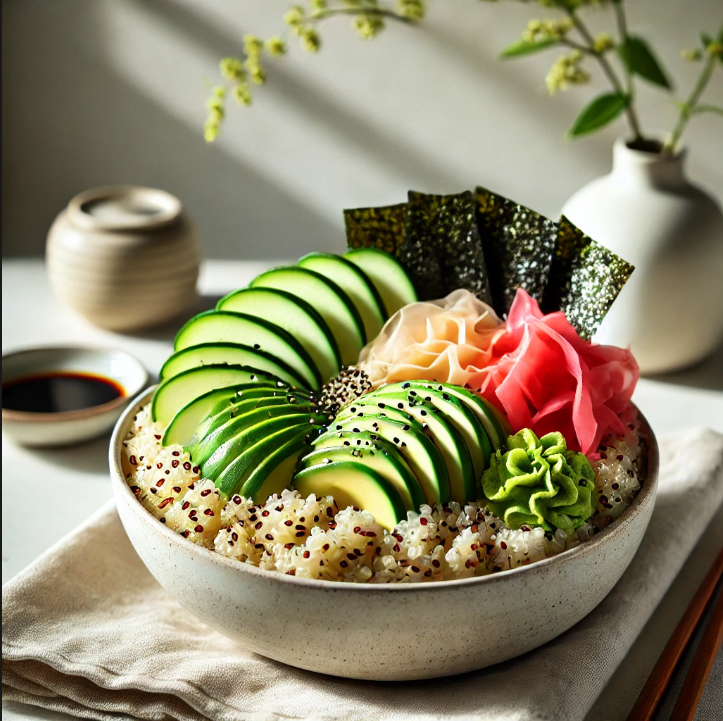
(353,484)
(374,456)
(419,452)
(443,434)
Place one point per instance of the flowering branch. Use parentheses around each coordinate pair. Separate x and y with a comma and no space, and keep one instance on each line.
(569,31)
(240,72)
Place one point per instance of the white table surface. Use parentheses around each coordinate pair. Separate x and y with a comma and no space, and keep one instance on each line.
(31,317)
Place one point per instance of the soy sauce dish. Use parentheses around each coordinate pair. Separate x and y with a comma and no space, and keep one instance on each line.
(61,396)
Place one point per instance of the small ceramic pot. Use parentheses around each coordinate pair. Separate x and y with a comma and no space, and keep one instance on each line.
(670,312)
(66,428)
(394,632)
(124,257)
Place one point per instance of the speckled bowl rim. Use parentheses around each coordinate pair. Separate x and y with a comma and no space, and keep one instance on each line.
(129,395)
(123,492)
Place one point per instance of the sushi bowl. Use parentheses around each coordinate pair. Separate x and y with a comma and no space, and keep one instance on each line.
(385,632)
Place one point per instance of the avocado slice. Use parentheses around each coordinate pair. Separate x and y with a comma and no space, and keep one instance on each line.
(388,465)
(229,451)
(250,400)
(276,469)
(202,451)
(421,455)
(353,484)
(449,441)
(250,461)
(494,423)
(186,422)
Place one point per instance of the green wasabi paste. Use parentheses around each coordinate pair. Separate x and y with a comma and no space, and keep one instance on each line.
(538,482)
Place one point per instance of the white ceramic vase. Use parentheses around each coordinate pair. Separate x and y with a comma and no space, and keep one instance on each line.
(670,312)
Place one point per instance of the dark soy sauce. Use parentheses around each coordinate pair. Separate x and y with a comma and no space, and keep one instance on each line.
(59,392)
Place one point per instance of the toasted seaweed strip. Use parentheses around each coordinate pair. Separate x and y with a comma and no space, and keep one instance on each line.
(442,250)
(585,279)
(518,246)
(381,227)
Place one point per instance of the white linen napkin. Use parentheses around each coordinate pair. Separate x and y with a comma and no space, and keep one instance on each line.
(88,631)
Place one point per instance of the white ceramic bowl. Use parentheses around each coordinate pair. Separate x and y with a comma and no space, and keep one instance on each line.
(385,632)
(58,429)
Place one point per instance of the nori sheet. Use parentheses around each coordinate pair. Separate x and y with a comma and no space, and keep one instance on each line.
(585,278)
(518,246)
(381,228)
(442,250)
(491,245)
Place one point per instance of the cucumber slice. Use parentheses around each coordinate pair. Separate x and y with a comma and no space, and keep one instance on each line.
(237,425)
(449,441)
(352,484)
(386,465)
(180,390)
(231,354)
(356,285)
(421,455)
(387,274)
(238,458)
(220,326)
(494,423)
(295,316)
(185,424)
(329,300)
(464,420)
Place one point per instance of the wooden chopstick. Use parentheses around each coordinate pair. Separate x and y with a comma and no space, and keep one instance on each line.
(689,698)
(660,676)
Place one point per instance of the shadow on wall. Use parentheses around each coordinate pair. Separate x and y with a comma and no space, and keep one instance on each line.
(52,113)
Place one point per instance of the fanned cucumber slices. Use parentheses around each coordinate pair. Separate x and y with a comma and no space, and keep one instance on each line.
(230,354)
(356,285)
(389,278)
(220,326)
(328,299)
(296,316)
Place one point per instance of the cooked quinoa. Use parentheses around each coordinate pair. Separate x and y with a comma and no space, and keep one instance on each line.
(313,538)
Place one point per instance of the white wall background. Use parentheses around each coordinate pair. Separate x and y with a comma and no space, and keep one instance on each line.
(111,91)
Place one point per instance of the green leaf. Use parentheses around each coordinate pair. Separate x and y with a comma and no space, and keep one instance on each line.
(639,58)
(599,113)
(708,109)
(706,39)
(523,47)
